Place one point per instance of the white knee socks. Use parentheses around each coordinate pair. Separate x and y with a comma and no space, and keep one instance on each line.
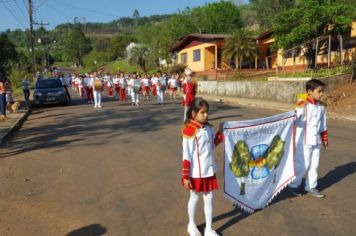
(208,207)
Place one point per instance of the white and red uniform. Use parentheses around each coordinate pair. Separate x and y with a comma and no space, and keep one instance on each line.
(116,83)
(145,82)
(198,156)
(123,86)
(172,84)
(189,92)
(89,90)
(154,82)
(311,132)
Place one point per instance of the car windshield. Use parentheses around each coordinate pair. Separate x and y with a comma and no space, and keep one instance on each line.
(48,83)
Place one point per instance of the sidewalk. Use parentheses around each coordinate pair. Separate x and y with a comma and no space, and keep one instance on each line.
(15,121)
(249,102)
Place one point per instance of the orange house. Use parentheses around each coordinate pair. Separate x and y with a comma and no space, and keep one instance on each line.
(200,52)
(270,58)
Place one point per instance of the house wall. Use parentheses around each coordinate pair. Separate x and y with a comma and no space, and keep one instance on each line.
(197,65)
(209,58)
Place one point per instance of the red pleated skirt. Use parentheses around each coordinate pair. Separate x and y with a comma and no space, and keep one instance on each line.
(204,184)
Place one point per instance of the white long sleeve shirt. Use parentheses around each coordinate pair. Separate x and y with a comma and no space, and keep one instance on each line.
(198,150)
(311,123)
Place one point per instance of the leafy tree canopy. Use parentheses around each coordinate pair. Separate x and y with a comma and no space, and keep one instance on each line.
(8,54)
(311,19)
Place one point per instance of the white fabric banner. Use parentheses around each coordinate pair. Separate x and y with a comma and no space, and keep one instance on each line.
(259,159)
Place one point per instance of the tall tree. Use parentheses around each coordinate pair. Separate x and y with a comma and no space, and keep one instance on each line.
(136,16)
(76,45)
(240,46)
(267,10)
(8,54)
(311,19)
(139,55)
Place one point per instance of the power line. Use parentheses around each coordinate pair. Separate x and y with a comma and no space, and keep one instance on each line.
(24,4)
(84,9)
(57,10)
(11,12)
(21,10)
(40,4)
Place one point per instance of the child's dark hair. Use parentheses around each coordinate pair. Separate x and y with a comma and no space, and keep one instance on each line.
(196,105)
(313,84)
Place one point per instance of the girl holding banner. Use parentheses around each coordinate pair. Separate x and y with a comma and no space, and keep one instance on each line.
(198,173)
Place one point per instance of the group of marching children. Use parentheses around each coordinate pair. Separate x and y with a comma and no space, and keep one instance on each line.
(142,87)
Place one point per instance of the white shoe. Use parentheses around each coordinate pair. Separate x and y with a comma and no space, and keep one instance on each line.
(210,233)
(95,107)
(99,106)
(193,230)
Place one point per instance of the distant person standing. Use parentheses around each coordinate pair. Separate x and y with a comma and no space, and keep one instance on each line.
(162,85)
(26,88)
(96,83)
(65,85)
(2,97)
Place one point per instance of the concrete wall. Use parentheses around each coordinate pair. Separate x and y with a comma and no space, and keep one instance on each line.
(273,91)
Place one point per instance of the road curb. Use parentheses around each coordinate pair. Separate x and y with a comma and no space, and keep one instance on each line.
(16,125)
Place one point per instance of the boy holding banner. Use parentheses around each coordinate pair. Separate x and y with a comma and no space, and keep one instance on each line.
(311,132)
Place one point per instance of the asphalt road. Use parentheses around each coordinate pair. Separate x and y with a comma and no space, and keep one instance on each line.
(80,171)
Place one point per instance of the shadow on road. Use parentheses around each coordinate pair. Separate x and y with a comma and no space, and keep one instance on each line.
(90,230)
(235,214)
(337,175)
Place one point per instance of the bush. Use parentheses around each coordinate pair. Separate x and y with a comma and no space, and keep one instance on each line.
(177,68)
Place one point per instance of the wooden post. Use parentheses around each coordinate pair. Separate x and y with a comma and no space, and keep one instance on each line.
(216,57)
(267,64)
(329,52)
(256,60)
(316,53)
(341,49)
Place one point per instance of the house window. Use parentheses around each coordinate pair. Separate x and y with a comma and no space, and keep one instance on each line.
(196,55)
(184,58)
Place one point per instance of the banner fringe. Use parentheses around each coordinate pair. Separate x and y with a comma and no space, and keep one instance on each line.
(242,207)
(279,191)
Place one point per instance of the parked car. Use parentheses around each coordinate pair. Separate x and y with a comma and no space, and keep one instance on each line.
(49,91)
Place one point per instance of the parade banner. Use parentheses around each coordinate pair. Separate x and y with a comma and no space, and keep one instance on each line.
(259,159)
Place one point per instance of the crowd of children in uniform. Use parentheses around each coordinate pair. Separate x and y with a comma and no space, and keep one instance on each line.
(140,87)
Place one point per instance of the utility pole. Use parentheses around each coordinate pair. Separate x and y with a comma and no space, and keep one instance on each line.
(44,42)
(30,6)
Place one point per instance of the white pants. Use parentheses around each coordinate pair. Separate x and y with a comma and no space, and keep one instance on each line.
(135,97)
(160,94)
(97,98)
(307,163)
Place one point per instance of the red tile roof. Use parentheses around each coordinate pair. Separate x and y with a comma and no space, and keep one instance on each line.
(185,40)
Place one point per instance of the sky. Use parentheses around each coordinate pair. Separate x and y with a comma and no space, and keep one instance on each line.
(14,13)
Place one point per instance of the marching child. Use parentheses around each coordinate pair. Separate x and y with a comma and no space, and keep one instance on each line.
(123,87)
(116,83)
(311,133)
(161,89)
(173,84)
(145,87)
(189,90)
(135,85)
(154,82)
(198,172)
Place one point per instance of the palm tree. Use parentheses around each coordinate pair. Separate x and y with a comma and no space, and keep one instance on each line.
(240,45)
(139,55)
